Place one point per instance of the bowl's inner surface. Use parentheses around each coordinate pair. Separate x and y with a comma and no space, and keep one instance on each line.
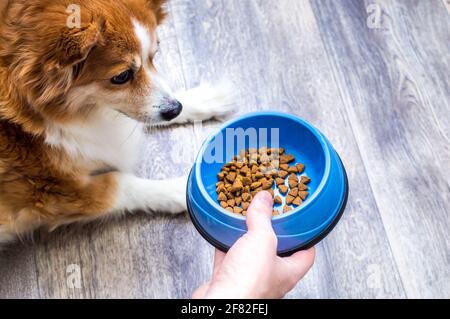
(256,131)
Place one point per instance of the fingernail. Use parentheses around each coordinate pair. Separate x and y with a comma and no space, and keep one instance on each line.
(266,198)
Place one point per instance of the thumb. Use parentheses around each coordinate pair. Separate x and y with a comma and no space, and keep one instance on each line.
(259,214)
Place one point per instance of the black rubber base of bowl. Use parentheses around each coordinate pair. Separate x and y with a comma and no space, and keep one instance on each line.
(293,250)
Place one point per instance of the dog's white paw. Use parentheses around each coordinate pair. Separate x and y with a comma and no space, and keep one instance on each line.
(177,196)
(207,102)
(163,196)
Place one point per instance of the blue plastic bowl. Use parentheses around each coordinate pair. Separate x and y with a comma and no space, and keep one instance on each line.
(301,228)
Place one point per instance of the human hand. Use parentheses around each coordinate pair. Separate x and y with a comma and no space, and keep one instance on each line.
(251,268)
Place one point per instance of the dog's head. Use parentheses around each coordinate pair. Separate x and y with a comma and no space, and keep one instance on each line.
(65,60)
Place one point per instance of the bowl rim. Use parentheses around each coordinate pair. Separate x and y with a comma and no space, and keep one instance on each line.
(318,135)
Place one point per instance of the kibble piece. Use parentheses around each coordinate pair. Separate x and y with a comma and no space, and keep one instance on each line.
(284,167)
(246,197)
(244,170)
(289,199)
(292,183)
(267,185)
(275,213)
(273,173)
(229,209)
(277,200)
(231,202)
(303,194)
(222,197)
(224,204)
(287,209)
(277,151)
(258,175)
(244,213)
(279,181)
(302,187)
(253,159)
(221,189)
(305,180)
(231,177)
(283,174)
(293,176)
(290,158)
(271,191)
(293,192)
(264,159)
(285,159)
(254,169)
(275,164)
(254,192)
(300,168)
(238,200)
(283,189)
(292,169)
(221,176)
(247,181)
(239,165)
(255,185)
(237,186)
(245,205)
(264,169)
(297,201)
(237,210)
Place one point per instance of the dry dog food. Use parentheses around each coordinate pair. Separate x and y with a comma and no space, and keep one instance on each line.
(255,170)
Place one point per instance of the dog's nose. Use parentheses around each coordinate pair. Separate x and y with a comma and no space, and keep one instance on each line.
(172,110)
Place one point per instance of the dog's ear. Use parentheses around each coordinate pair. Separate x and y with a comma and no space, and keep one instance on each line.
(75,44)
(159,8)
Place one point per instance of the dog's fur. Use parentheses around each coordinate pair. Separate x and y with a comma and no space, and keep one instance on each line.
(68,135)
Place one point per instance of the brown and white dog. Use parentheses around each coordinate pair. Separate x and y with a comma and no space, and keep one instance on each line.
(70,102)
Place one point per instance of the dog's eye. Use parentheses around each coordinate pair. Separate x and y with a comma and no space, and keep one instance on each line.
(122,78)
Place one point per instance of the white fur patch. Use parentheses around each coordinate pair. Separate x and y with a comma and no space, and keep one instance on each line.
(146,41)
(135,193)
(109,137)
